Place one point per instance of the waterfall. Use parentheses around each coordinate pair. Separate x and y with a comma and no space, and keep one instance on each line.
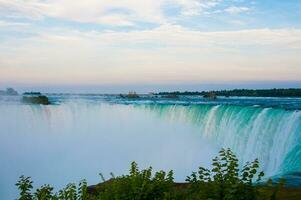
(90,136)
(271,135)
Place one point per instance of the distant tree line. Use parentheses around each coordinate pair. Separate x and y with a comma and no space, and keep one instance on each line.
(291,92)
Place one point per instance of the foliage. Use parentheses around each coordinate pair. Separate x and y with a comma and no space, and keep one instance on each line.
(225,181)
(45,192)
(41,99)
(25,185)
(139,185)
(291,92)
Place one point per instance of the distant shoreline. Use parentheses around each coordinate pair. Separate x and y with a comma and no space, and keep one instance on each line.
(275,92)
(291,92)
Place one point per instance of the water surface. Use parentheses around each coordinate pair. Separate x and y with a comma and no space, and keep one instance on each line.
(82,135)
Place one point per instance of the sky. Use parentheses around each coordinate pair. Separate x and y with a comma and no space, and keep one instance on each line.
(146,45)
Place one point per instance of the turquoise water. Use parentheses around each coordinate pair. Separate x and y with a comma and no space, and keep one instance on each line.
(81,135)
(272,135)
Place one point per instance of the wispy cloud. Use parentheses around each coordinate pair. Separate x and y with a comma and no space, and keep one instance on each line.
(99,11)
(4,23)
(92,11)
(19,9)
(110,41)
(237,10)
(169,53)
(196,7)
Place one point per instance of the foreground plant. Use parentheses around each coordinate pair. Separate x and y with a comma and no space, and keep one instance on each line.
(225,181)
(138,185)
(45,192)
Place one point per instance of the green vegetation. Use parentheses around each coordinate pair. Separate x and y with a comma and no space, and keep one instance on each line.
(292,92)
(35,98)
(210,95)
(130,95)
(223,182)
(45,192)
(171,96)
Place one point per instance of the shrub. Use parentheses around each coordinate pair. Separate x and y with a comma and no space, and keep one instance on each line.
(139,185)
(45,192)
(225,181)
(25,185)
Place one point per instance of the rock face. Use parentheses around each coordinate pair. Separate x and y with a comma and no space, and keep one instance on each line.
(9,91)
(35,98)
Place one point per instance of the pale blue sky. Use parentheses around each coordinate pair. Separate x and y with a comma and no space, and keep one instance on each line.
(184,43)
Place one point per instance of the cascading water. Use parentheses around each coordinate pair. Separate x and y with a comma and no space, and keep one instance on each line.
(59,144)
(271,135)
(80,136)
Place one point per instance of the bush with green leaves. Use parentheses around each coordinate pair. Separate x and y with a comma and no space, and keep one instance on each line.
(45,192)
(225,181)
(139,185)
(25,185)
